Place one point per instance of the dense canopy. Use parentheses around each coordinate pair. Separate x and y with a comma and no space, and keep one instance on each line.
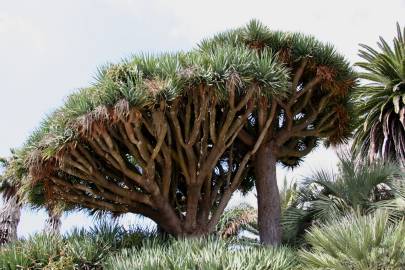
(317,106)
(171,137)
(321,81)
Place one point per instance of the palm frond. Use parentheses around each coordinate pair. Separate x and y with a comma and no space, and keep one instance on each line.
(380,101)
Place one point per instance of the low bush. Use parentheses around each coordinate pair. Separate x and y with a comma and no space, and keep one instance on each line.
(80,249)
(373,242)
(202,254)
(370,242)
(34,253)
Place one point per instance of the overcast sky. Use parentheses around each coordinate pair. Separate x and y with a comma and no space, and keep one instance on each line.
(50,48)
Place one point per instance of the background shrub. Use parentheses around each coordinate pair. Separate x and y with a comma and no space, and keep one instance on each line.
(357,242)
(202,254)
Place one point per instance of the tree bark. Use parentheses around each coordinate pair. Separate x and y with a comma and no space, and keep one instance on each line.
(53,223)
(268,196)
(9,219)
(193,194)
(169,221)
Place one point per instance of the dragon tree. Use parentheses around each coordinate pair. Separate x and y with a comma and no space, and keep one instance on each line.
(172,137)
(154,136)
(317,107)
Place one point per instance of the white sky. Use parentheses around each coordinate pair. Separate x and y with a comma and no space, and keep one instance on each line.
(50,48)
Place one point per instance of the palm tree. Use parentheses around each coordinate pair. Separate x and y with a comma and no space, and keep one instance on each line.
(11,211)
(358,187)
(380,101)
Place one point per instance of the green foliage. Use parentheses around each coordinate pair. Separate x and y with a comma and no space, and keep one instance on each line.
(250,55)
(381,99)
(35,252)
(145,80)
(356,242)
(13,257)
(236,219)
(87,249)
(99,248)
(350,242)
(356,188)
(80,249)
(202,254)
(258,36)
(63,263)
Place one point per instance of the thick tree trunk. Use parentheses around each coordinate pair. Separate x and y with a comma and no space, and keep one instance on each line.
(193,196)
(9,219)
(268,197)
(169,221)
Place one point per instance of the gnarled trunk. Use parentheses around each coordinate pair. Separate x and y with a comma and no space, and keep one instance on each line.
(268,197)
(9,219)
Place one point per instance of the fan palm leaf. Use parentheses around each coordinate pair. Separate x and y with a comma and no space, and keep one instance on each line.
(357,187)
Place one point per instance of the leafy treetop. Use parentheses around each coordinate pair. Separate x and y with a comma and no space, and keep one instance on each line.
(172,136)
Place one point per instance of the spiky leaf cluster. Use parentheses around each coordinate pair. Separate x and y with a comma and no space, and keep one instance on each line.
(87,146)
(337,79)
(356,242)
(358,187)
(135,93)
(145,80)
(381,100)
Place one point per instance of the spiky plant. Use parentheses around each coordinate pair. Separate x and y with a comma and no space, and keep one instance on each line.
(202,254)
(358,187)
(355,188)
(79,249)
(356,242)
(316,106)
(381,101)
(172,137)
(154,136)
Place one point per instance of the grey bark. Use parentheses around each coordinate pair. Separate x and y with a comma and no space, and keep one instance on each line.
(53,223)
(268,196)
(9,219)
